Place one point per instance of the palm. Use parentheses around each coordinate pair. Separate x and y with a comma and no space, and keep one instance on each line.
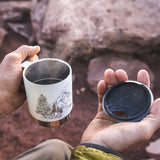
(112,134)
(119,136)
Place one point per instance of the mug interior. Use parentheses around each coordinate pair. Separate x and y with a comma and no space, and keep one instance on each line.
(47,71)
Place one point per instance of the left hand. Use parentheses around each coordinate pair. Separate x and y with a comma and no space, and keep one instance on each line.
(12,96)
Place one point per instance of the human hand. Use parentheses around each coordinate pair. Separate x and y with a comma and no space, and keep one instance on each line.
(12,94)
(125,135)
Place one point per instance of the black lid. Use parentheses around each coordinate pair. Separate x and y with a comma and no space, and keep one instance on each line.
(127,101)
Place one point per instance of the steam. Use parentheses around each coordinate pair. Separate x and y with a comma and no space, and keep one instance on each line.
(47,69)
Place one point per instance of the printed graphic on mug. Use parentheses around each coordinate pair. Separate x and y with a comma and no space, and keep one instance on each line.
(57,108)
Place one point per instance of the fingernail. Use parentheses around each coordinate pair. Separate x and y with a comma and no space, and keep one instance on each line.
(37,48)
(157,100)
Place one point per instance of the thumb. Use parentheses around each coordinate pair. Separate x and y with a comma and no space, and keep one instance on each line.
(26,51)
(152,122)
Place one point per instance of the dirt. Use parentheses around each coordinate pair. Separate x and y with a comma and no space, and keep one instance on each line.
(18,132)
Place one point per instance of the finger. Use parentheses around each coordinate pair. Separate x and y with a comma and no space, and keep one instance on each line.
(143,77)
(109,81)
(101,89)
(22,88)
(109,78)
(121,75)
(26,51)
(33,58)
(155,109)
(152,122)
(18,101)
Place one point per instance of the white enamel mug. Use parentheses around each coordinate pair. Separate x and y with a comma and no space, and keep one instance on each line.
(48,85)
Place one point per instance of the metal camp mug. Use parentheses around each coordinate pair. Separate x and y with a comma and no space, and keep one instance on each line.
(48,86)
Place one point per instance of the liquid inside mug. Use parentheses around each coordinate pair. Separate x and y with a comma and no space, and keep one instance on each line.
(48,85)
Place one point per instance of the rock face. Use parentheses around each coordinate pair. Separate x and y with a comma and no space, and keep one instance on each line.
(73,27)
(2,35)
(98,65)
(15,16)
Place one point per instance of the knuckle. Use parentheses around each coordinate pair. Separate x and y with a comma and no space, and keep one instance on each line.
(11,57)
(23,46)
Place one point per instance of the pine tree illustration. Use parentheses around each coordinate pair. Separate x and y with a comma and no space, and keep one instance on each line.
(43,106)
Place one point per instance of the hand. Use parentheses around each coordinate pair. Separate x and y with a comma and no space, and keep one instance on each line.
(125,135)
(12,94)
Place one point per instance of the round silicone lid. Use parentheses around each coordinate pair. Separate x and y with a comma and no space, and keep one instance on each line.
(127,101)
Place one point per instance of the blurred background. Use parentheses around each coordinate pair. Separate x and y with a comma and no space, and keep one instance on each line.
(91,36)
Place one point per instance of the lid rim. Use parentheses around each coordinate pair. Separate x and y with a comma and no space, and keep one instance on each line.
(137,117)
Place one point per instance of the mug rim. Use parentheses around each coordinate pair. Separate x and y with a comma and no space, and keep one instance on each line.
(46,59)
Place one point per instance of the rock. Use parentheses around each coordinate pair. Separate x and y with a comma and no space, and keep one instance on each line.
(3,32)
(13,7)
(153,149)
(12,16)
(16,17)
(74,27)
(24,29)
(98,65)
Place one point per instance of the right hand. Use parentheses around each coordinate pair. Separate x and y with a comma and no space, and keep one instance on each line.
(125,135)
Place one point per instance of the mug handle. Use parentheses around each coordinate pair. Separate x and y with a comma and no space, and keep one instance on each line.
(25,64)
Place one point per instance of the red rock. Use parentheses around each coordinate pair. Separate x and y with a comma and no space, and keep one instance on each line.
(76,27)
(15,16)
(3,32)
(98,65)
